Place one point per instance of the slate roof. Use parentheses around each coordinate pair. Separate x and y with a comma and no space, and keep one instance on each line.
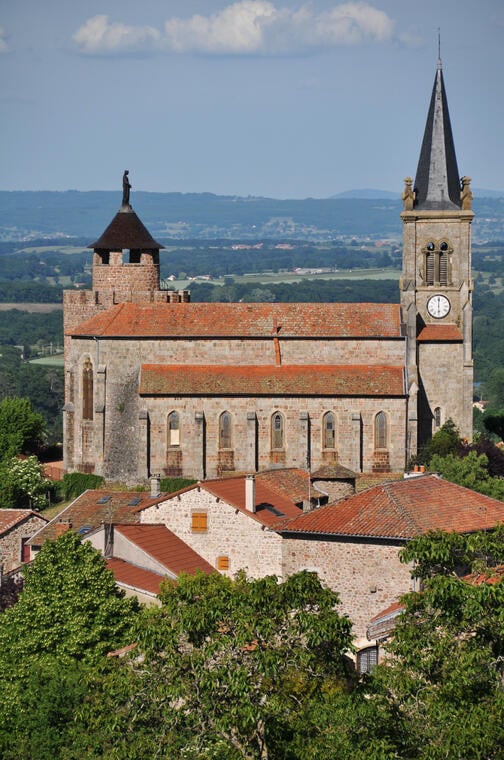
(433,333)
(126,231)
(92,508)
(158,542)
(245,320)
(10,518)
(271,380)
(403,509)
(437,181)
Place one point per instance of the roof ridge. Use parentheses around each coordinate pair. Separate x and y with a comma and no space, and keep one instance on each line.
(402,511)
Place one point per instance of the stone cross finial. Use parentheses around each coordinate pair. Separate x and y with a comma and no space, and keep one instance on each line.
(408,196)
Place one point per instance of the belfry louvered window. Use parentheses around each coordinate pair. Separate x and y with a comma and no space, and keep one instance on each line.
(437,263)
(87,390)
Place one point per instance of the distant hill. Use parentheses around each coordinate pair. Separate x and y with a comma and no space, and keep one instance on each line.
(367,194)
(74,214)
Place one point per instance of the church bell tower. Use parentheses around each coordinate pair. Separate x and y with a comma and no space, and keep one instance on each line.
(436,285)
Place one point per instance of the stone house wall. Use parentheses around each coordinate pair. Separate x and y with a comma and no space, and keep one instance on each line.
(230,533)
(11,542)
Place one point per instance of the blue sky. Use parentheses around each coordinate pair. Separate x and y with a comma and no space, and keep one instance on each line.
(283,98)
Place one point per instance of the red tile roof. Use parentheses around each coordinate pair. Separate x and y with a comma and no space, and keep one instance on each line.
(433,333)
(232,491)
(165,547)
(94,507)
(10,518)
(404,509)
(261,320)
(286,380)
(134,577)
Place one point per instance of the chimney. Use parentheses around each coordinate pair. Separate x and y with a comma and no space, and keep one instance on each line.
(155,486)
(250,493)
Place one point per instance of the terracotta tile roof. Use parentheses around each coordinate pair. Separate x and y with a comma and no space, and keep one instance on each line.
(9,518)
(492,576)
(272,507)
(404,509)
(333,472)
(134,577)
(290,482)
(269,380)
(165,547)
(433,333)
(94,507)
(128,232)
(251,320)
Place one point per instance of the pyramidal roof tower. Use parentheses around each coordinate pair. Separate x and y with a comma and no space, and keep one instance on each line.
(437,183)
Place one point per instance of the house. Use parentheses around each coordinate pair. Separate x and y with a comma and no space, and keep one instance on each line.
(17,526)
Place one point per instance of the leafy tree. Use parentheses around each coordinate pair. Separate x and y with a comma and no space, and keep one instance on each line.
(442,686)
(70,608)
(470,471)
(23,483)
(21,429)
(494,423)
(229,668)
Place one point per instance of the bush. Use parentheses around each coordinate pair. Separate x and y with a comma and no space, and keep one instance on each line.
(169,485)
(75,483)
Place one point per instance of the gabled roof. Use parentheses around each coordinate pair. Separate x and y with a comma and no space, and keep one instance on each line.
(94,507)
(437,181)
(442,333)
(246,320)
(10,518)
(271,380)
(158,542)
(126,231)
(401,510)
(135,578)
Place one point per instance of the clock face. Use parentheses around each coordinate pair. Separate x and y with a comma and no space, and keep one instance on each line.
(438,306)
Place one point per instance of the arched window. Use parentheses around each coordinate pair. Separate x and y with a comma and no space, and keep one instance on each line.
(328,431)
(225,424)
(277,431)
(87,390)
(437,417)
(380,431)
(173,429)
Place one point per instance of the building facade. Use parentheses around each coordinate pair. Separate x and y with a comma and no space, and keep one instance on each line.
(157,384)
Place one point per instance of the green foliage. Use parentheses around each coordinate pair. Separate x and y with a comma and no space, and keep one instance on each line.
(470,471)
(75,483)
(445,441)
(21,428)
(441,690)
(70,609)
(23,483)
(169,485)
(494,423)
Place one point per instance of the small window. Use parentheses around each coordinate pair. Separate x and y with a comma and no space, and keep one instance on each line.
(173,429)
(87,390)
(329,439)
(437,417)
(367,659)
(222,563)
(199,522)
(381,431)
(225,439)
(277,431)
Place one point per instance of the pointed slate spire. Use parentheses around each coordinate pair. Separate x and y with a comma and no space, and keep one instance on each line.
(437,182)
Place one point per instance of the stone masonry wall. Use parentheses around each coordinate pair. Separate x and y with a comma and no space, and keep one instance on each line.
(11,542)
(230,533)
(368,577)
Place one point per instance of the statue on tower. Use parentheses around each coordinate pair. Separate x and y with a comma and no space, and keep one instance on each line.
(126,189)
(466,196)
(408,196)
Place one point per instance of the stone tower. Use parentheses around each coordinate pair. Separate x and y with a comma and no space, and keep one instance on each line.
(436,285)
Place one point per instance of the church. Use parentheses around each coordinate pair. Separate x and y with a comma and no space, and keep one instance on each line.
(155,384)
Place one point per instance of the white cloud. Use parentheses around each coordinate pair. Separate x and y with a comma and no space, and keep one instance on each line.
(97,35)
(247,27)
(3,43)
